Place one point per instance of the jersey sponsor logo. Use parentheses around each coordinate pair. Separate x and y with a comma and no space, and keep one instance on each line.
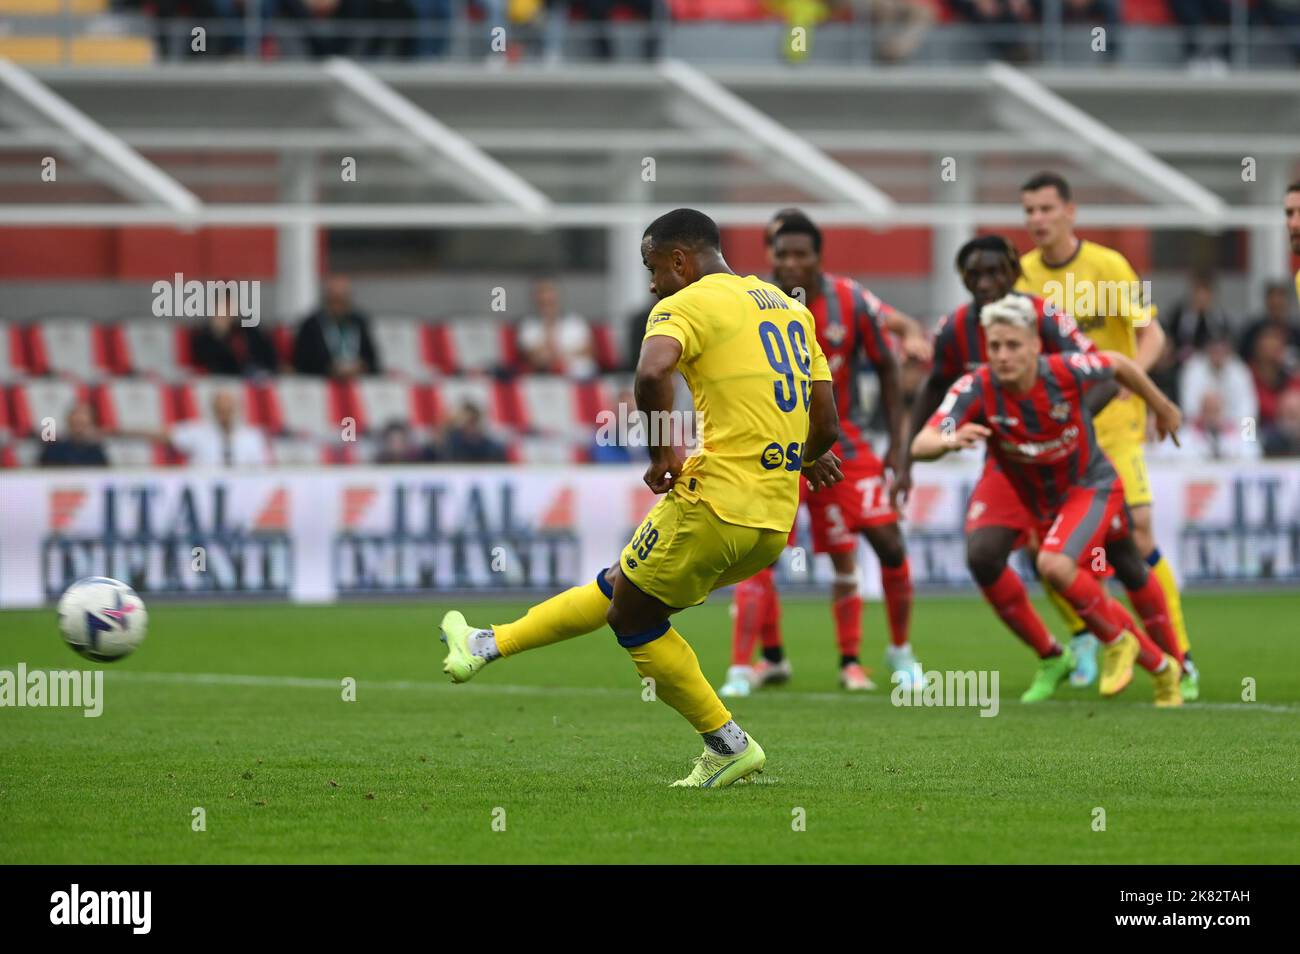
(657,317)
(1060,412)
(1032,449)
(775,456)
(1004,421)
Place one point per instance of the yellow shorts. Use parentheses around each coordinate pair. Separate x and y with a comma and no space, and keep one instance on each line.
(1129,458)
(683,551)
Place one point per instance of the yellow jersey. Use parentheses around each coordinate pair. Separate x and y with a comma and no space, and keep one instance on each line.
(1099,289)
(750,355)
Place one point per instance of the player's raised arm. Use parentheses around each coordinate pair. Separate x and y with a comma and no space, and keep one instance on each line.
(654,397)
(954,425)
(1131,376)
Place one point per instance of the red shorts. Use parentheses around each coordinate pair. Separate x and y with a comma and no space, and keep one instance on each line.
(1090,518)
(995,503)
(840,512)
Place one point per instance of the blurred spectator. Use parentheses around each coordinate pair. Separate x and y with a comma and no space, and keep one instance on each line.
(334,341)
(1219,370)
(555,342)
(1004,22)
(1198,318)
(1283,438)
(223,441)
(1272,376)
(1165,371)
(599,12)
(636,334)
(1214,434)
(466,440)
(397,445)
(80,447)
(1193,15)
(1282,14)
(899,26)
(1277,314)
(225,346)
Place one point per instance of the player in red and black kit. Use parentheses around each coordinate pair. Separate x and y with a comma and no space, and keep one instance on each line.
(1030,408)
(850,331)
(996,521)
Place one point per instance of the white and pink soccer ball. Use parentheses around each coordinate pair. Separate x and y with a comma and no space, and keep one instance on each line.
(102,619)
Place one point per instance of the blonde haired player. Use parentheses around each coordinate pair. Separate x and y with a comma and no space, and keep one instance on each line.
(1099,288)
(762,389)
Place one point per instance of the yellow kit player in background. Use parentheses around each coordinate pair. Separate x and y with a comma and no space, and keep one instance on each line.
(1098,287)
(763,394)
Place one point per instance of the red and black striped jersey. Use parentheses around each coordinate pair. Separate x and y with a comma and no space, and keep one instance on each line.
(959,344)
(1043,440)
(850,329)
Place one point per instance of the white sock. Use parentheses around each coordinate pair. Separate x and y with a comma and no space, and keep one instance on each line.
(728,740)
(483,643)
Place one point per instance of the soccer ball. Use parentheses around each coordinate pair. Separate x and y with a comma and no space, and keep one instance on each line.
(102,619)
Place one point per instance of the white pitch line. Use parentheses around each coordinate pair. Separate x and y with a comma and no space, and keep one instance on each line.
(308,682)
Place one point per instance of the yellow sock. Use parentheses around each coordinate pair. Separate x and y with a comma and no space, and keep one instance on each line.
(1072,620)
(1165,577)
(678,681)
(575,612)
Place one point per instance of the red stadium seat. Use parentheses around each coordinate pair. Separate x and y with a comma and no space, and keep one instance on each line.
(134,404)
(69,346)
(150,347)
(489,396)
(603,341)
(557,406)
(405,346)
(311,407)
(48,398)
(13,351)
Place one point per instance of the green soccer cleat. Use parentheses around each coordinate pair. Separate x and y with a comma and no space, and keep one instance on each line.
(1052,671)
(460,663)
(718,771)
(1191,681)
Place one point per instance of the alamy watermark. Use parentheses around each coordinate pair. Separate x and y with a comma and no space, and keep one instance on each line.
(1104,299)
(54,688)
(625,426)
(195,299)
(951,688)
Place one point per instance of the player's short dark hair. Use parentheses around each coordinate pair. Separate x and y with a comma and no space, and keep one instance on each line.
(800,224)
(1041,180)
(1293,187)
(684,228)
(775,223)
(990,243)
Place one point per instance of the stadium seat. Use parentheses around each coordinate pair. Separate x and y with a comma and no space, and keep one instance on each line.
(473,344)
(299,451)
(69,346)
(405,346)
(305,406)
(34,401)
(134,404)
(604,343)
(547,451)
(375,402)
(450,393)
(557,406)
(149,347)
(134,452)
(12,351)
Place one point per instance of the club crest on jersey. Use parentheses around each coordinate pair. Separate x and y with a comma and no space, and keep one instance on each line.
(1060,412)
(834,334)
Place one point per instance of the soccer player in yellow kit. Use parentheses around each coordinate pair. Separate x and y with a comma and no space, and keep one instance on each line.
(1098,287)
(762,391)
(1292,207)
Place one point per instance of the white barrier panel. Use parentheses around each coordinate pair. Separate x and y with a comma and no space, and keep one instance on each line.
(317,535)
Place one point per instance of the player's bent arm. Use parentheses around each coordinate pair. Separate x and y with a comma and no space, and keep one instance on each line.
(1150,344)
(823,421)
(1131,376)
(929,444)
(653,390)
(1100,395)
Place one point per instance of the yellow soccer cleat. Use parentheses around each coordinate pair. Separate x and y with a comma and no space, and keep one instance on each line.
(460,663)
(1168,691)
(718,771)
(1117,661)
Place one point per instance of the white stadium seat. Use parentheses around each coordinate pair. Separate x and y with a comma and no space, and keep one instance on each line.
(134,404)
(305,406)
(152,347)
(401,346)
(42,398)
(69,346)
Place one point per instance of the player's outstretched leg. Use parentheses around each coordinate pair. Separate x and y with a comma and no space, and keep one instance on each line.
(1126,642)
(575,612)
(661,654)
(896,583)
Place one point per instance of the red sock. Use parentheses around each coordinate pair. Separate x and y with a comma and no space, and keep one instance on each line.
(1107,618)
(747,607)
(1010,600)
(848,623)
(1149,601)
(897,584)
(769,621)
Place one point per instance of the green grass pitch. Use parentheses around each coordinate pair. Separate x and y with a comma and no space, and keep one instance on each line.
(238,710)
